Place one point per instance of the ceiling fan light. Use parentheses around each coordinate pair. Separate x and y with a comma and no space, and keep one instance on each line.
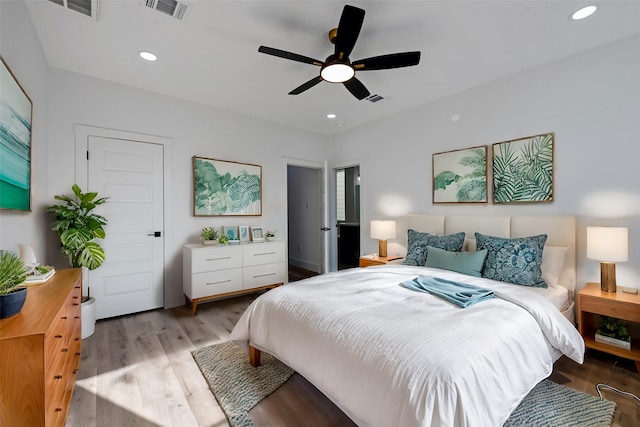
(337,73)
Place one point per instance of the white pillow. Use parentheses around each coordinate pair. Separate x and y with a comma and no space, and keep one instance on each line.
(552,263)
(469,245)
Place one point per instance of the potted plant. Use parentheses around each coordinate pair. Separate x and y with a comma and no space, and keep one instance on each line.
(269,235)
(78,227)
(12,274)
(209,236)
(223,239)
(612,331)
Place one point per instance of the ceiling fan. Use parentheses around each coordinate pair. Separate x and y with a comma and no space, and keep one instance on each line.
(338,68)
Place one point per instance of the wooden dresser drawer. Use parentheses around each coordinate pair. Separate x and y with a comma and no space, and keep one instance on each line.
(216,282)
(620,310)
(263,253)
(215,258)
(263,275)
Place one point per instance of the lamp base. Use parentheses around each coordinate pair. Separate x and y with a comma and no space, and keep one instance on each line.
(382,248)
(607,277)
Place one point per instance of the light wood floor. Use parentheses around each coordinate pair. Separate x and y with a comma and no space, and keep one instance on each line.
(138,371)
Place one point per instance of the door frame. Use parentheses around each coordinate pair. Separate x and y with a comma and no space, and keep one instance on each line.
(82,134)
(321,167)
(333,212)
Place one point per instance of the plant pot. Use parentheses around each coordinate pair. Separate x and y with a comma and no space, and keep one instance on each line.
(613,341)
(11,304)
(88,317)
(209,242)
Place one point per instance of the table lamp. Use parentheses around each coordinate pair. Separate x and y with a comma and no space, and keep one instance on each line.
(383,230)
(608,245)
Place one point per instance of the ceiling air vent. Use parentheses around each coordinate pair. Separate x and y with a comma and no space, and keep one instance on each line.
(177,9)
(374,98)
(88,8)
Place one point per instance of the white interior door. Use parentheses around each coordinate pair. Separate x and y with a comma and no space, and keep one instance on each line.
(130,174)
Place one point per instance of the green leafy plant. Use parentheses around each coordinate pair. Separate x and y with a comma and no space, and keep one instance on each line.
(613,328)
(209,233)
(78,226)
(12,272)
(471,187)
(223,239)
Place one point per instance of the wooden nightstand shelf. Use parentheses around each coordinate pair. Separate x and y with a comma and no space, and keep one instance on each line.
(371,260)
(592,301)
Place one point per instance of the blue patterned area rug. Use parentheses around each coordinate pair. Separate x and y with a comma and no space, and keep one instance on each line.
(238,387)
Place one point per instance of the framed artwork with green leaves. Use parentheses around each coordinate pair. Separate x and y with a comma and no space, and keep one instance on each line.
(460,176)
(225,188)
(523,170)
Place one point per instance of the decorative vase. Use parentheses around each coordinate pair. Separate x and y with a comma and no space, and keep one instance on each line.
(26,253)
(11,304)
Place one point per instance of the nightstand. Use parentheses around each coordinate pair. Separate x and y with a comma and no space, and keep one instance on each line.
(373,259)
(592,302)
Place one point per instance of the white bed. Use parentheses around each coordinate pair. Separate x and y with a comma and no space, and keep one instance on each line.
(390,356)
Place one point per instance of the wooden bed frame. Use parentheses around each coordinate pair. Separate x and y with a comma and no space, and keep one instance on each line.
(560,231)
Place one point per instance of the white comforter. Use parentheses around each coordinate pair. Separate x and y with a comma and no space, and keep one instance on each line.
(389,356)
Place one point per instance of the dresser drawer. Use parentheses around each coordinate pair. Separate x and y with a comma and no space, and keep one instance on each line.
(215,258)
(619,310)
(215,282)
(263,275)
(263,253)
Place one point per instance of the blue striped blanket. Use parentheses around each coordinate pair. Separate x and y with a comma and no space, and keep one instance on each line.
(458,293)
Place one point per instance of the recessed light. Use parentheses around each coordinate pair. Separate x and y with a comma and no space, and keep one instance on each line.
(583,13)
(455,117)
(331,116)
(148,56)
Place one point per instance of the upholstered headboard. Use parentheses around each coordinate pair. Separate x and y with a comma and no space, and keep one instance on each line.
(560,231)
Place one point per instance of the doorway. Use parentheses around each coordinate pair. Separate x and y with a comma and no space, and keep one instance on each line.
(348,216)
(304,221)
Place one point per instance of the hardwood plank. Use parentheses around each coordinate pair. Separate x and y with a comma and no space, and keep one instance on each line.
(138,370)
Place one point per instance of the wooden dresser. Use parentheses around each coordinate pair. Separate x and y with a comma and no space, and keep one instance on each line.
(40,353)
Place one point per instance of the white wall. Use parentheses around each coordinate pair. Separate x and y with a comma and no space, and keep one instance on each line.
(591,102)
(21,50)
(195,130)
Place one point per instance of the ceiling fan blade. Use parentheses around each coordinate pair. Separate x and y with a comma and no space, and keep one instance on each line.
(356,88)
(385,62)
(289,55)
(348,31)
(308,85)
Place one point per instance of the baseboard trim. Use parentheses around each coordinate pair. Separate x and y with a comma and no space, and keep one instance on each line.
(304,264)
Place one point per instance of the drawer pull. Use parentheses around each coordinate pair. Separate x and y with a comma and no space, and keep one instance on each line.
(58,409)
(58,377)
(64,350)
(76,339)
(75,303)
(64,317)
(218,259)
(75,297)
(58,336)
(76,317)
(264,275)
(75,371)
(77,353)
(215,283)
(266,253)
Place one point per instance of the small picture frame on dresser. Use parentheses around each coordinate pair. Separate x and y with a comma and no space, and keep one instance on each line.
(243,233)
(256,234)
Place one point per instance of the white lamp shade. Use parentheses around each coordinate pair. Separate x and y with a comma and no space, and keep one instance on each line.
(608,244)
(383,230)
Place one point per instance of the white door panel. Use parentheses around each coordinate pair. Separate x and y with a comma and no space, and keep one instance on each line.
(130,174)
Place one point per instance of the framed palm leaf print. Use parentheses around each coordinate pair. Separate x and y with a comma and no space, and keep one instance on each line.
(222,188)
(460,176)
(523,170)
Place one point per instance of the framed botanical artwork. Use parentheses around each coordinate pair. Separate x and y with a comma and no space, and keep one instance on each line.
(15,142)
(256,234)
(523,170)
(221,188)
(243,233)
(460,176)
(231,231)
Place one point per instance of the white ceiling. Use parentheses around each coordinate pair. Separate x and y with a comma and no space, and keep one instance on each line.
(211,56)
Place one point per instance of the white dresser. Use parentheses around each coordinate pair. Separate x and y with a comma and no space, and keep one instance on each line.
(216,271)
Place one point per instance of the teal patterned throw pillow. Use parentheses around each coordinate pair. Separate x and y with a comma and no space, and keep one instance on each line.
(513,260)
(417,244)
